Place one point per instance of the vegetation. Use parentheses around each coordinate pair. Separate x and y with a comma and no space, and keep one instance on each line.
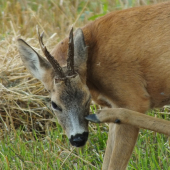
(30,137)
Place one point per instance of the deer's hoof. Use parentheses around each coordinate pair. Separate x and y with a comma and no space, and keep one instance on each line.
(92,118)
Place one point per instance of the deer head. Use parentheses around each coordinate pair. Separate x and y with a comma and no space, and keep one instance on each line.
(70,97)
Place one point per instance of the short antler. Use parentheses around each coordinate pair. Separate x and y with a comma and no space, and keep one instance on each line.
(57,68)
(70,60)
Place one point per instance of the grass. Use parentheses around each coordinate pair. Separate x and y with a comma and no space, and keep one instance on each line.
(52,150)
(30,137)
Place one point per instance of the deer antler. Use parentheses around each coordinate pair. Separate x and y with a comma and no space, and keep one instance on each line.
(57,68)
(70,60)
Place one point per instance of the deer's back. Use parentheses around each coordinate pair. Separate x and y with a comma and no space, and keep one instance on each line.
(129,54)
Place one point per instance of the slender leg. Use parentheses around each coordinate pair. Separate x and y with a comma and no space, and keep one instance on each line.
(125,137)
(122,139)
(120,144)
(129,117)
(109,147)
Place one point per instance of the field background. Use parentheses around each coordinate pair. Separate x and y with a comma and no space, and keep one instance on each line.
(30,137)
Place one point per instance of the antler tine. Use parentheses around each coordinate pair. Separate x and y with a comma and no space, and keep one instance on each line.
(70,59)
(57,68)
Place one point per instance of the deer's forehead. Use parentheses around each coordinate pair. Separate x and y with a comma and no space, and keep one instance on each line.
(68,93)
(72,95)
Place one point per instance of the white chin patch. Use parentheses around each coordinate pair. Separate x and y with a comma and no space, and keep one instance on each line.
(76,127)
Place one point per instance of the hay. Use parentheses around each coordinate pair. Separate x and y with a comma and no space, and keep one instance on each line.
(23,99)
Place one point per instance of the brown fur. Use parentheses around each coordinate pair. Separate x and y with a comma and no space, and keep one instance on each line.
(125,116)
(128,67)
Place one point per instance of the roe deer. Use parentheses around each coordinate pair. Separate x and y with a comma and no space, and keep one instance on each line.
(126,65)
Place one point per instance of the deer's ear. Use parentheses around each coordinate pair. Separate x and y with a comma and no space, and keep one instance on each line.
(38,66)
(80,51)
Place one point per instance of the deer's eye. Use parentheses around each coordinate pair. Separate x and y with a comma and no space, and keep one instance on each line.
(55,106)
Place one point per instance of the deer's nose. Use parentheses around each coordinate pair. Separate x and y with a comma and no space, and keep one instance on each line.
(79,139)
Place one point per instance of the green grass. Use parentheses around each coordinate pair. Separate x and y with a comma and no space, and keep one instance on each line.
(52,150)
(31,140)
